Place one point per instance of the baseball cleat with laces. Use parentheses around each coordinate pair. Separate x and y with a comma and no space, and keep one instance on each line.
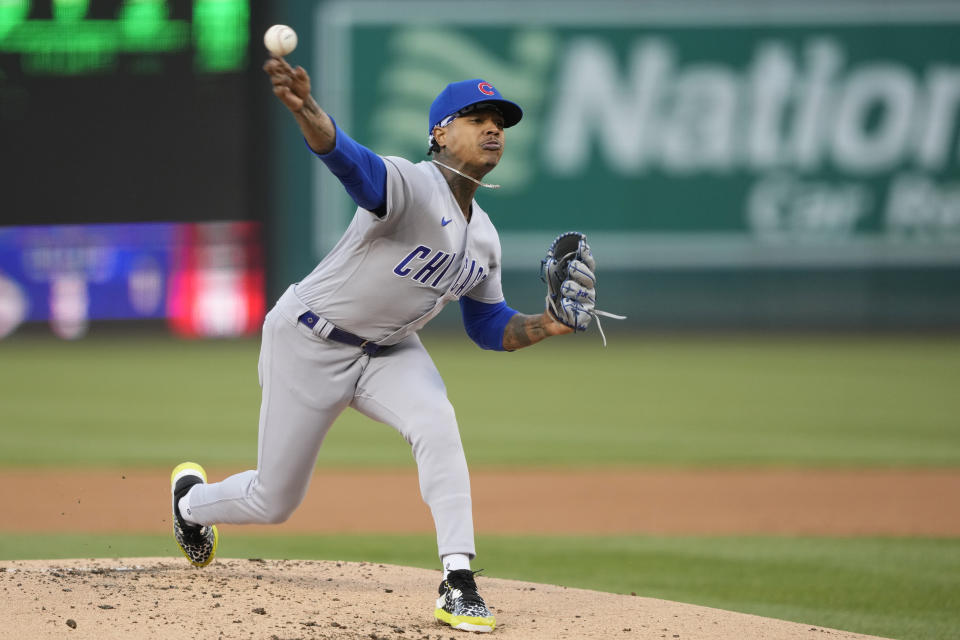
(460,606)
(197,542)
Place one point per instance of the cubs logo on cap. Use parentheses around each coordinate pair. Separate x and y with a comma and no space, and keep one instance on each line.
(459,95)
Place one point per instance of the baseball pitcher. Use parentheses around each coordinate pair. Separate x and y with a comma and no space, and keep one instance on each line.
(346,334)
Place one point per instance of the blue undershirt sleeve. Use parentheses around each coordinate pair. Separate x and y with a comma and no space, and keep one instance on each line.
(485,322)
(361,171)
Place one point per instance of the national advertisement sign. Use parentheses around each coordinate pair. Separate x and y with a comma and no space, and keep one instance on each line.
(695,134)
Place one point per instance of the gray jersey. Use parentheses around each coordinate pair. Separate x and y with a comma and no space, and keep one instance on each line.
(384,280)
(387,277)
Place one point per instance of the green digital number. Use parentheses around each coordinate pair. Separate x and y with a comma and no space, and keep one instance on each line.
(71,44)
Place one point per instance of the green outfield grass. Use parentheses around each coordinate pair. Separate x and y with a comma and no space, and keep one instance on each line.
(897,588)
(810,401)
(828,401)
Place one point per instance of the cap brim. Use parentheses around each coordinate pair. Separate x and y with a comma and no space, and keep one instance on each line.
(512,113)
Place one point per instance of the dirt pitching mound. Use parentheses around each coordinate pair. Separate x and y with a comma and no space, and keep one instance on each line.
(285,599)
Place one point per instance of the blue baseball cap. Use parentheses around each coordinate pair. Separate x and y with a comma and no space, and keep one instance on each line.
(460,95)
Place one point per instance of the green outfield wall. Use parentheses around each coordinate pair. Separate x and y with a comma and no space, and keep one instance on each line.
(733,163)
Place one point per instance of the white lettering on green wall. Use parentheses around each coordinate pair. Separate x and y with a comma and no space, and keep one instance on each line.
(808,110)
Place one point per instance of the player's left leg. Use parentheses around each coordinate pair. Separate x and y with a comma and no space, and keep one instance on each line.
(402,388)
(307,382)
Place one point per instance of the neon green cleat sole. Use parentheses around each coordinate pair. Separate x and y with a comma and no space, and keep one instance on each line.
(197,543)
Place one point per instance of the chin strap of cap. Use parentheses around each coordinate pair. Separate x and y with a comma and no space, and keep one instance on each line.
(470,178)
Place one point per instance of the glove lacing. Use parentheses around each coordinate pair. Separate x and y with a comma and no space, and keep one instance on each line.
(596,313)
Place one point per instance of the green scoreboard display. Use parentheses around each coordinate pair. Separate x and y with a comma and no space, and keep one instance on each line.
(125,110)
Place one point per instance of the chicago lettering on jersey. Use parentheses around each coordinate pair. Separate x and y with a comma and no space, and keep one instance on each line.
(424,263)
(471,274)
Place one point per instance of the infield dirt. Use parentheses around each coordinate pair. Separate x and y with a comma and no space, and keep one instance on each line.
(166,599)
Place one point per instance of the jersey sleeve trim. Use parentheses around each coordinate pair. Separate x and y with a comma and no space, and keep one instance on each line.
(486,322)
(361,172)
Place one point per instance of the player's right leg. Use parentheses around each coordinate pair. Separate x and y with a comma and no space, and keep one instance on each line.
(402,388)
(307,382)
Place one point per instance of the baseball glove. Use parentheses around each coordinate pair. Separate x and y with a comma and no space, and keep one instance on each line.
(568,269)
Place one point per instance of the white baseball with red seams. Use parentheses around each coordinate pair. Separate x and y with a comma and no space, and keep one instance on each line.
(280,40)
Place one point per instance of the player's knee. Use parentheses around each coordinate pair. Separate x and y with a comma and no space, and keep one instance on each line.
(276,506)
(436,429)
(275,512)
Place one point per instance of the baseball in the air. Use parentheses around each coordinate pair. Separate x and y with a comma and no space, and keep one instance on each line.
(280,39)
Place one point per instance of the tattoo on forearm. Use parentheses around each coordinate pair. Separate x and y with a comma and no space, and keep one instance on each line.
(310,106)
(522,331)
(316,126)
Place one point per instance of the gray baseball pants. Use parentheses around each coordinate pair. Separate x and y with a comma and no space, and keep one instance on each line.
(308,381)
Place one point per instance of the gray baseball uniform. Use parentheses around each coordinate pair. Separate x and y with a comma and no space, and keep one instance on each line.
(384,280)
